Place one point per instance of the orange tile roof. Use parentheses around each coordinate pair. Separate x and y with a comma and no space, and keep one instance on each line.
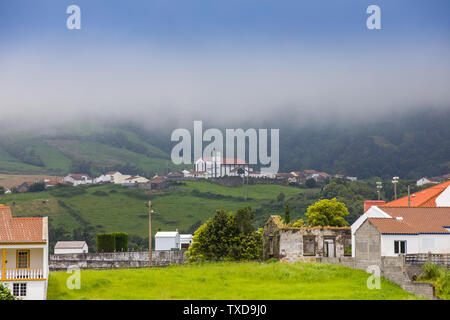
(20,229)
(413,220)
(424,198)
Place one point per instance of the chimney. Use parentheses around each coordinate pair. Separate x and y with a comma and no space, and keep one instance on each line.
(369,203)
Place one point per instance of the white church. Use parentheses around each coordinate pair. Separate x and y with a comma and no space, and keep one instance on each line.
(216,166)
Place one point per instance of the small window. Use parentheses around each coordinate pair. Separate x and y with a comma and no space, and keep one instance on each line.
(22,259)
(400,247)
(20,289)
(309,245)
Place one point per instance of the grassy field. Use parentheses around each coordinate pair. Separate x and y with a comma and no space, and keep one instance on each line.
(223,281)
(111,208)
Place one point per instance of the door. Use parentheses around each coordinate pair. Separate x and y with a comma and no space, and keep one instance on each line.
(329,248)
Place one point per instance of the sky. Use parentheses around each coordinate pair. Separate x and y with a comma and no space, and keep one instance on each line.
(226,61)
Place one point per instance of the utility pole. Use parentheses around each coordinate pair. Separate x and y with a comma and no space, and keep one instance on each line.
(246,198)
(150,251)
(395,181)
(409,196)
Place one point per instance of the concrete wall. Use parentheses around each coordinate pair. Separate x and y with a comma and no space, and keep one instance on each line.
(36,290)
(115,260)
(367,245)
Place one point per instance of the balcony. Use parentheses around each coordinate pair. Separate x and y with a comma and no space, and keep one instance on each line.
(23,274)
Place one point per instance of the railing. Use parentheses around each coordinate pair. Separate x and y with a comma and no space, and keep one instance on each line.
(422,258)
(24,274)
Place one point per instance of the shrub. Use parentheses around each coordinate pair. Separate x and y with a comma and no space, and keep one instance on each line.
(443,282)
(121,241)
(37,187)
(100,193)
(67,192)
(430,271)
(105,242)
(5,293)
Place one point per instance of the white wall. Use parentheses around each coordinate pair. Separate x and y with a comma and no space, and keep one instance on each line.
(167,243)
(443,200)
(67,251)
(35,289)
(423,243)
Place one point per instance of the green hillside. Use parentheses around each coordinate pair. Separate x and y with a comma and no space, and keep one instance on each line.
(81,212)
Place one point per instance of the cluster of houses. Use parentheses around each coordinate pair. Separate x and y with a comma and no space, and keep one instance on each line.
(415,224)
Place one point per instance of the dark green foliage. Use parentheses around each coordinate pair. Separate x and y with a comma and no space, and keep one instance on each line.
(5,293)
(121,241)
(287,214)
(105,242)
(37,187)
(2,190)
(66,191)
(245,219)
(220,239)
(112,242)
(281,197)
(194,227)
(210,195)
(81,166)
(311,183)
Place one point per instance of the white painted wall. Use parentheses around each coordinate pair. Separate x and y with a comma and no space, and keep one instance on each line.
(68,250)
(422,243)
(167,243)
(443,200)
(35,289)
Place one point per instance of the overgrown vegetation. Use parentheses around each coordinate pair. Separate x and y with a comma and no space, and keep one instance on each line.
(439,277)
(5,293)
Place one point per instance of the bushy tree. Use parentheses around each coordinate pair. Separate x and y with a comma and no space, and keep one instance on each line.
(5,293)
(37,187)
(327,213)
(287,214)
(223,237)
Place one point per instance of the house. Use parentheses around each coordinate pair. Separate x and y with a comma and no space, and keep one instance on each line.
(108,177)
(186,240)
(66,247)
(353,179)
(304,243)
(167,240)
(217,167)
(390,231)
(194,174)
(78,179)
(51,184)
(261,175)
(435,196)
(175,175)
(136,179)
(285,176)
(24,255)
(425,180)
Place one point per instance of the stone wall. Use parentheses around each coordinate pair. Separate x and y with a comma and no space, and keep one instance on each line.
(367,246)
(115,259)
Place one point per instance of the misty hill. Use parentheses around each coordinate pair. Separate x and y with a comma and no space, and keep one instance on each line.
(408,146)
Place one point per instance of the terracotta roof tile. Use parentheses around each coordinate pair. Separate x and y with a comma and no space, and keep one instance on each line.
(424,198)
(20,229)
(413,220)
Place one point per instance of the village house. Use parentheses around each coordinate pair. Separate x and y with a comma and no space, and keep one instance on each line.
(66,247)
(390,231)
(175,175)
(216,166)
(304,243)
(167,240)
(186,240)
(136,179)
(24,253)
(78,179)
(432,180)
(108,177)
(194,174)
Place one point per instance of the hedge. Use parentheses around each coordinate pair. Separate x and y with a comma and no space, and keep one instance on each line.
(121,241)
(111,242)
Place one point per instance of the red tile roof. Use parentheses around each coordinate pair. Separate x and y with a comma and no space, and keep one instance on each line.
(413,220)
(424,198)
(20,229)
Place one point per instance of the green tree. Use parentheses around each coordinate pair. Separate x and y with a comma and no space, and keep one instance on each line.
(327,213)
(311,183)
(287,214)
(37,187)
(245,219)
(220,238)
(281,197)
(5,293)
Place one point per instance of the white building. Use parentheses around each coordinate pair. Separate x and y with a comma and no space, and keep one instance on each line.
(24,255)
(389,231)
(194,174)
(186,240)
(77,179)
(136,179)
(107,177)
(66,247)
(425,180)
(167,240)
(216,166)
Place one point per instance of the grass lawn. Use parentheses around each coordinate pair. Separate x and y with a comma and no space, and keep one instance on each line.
(223,281)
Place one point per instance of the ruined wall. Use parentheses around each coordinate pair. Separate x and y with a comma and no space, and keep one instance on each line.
(367,246)
(115,259)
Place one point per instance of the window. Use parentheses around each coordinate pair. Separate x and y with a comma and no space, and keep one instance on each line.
(347,246)
(23,259)
(20,289)
(309,245)
(400,247)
